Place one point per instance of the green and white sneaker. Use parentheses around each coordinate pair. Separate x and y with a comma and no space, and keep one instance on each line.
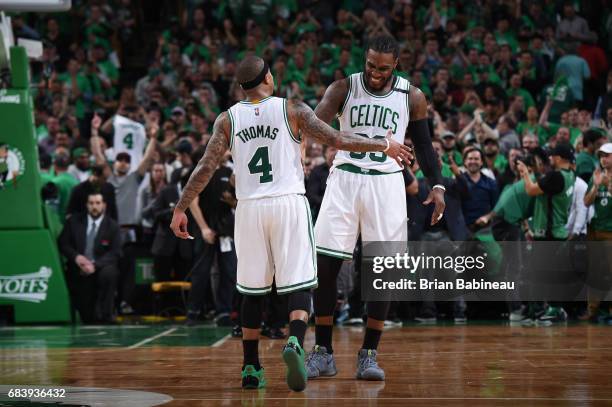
(553,315)
(253,378)
(293,355)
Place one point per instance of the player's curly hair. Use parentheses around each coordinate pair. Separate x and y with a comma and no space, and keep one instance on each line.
(384,44)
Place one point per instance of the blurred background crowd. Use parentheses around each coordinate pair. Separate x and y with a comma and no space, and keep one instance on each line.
(127,91)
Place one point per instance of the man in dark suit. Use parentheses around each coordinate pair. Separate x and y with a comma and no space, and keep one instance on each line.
(91,243)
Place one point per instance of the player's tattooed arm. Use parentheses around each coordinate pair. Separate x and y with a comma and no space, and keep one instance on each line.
(309,124)
(302,118)
(332,100)
(203,172)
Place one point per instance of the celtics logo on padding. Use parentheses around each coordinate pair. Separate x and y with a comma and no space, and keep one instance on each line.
(12,165)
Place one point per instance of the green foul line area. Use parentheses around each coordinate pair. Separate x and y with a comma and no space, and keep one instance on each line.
(111,336)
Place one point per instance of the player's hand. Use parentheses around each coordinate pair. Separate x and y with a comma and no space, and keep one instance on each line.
(209,235)
(398,151)
(436,195)
(179,225)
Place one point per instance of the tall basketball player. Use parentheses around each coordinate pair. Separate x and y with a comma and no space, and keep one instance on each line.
(274,235)
(365,191)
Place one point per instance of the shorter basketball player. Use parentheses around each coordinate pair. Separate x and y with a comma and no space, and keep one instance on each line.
(273,232)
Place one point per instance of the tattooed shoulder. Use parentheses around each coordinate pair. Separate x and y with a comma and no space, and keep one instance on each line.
(222,126)
(201,175)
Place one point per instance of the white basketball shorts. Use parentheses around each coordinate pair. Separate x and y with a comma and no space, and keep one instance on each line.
(360,201)
(275,242)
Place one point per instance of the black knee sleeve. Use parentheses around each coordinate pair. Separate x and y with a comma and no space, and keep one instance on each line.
(299,301)
(250,314)
(325,295)
(378,310)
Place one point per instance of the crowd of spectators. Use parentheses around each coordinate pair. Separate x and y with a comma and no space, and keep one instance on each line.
(127,91)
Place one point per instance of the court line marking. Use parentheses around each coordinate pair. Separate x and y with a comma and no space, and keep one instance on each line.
(152,338)
(221,341)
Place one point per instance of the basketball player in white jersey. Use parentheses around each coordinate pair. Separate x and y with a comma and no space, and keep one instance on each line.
(365,191)
(274,234)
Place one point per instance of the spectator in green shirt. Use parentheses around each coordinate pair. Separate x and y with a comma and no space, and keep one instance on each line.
(297,68)
(303,23)
(600,194)
(96,23)
(261,11)
(108,72)
(505,66)
(516,89)
(234,10)
(486,71)
(252,47)
(560,97)
(586,160)
(64,181)
(494,161)
(600,229)
(532,126)
(78,88)
(503,35)
(567,118)
(449,144)
(196,51)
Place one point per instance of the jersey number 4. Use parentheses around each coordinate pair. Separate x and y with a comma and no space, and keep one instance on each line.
(128,141)
(260,164)
(377,156)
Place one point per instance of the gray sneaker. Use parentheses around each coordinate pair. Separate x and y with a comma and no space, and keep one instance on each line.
(367,368)
(320,363)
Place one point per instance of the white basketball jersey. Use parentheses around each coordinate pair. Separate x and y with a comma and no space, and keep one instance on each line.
(267,159)
(129,137)
(371,116)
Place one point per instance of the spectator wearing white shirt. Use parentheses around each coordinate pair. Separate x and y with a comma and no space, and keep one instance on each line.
(580,215)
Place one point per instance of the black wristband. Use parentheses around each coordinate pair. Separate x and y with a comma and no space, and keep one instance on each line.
(427,157)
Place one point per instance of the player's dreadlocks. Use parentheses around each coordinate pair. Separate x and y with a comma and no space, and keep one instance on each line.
(385,44)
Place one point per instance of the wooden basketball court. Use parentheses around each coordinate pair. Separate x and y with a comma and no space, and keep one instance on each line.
(474,365)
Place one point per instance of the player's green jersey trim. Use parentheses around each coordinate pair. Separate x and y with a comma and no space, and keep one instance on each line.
(231,117)
(348,95)
(246,102)
(311,236)
(364,171)
(334,253)
(287,122)
(363,85)
(299,286)
(253,291)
